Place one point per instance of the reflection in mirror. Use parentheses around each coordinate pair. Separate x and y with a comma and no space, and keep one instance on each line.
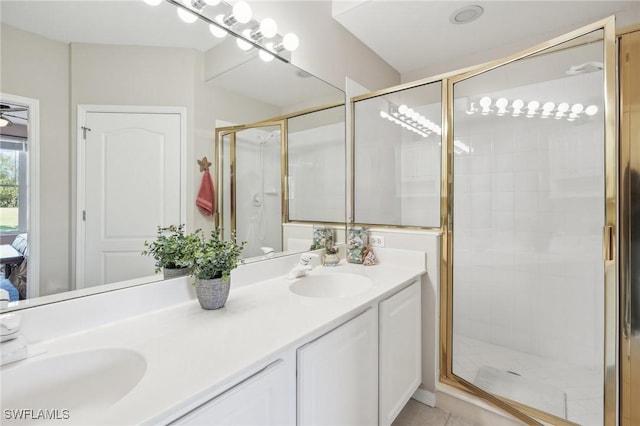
(251,187)
(528,197)
(397,158)
(65,55)
(316,166)
(253,164)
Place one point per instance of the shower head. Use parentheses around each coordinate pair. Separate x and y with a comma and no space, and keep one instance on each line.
(264,139)
(585,68)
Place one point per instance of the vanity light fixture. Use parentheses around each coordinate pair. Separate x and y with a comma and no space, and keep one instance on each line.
(532,109)
(240,13)
(250,33)
(185,15)
(267,29)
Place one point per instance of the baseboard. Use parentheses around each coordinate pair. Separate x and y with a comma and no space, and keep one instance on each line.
(424,396)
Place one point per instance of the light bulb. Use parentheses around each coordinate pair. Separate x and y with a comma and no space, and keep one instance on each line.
(402,109)
(591,110)
(244,45)
(408,112)
(577,109)
(548,107)
(485,102)
(517,107)
(217,31)
(265,56)
(185,15)
(290,42)
(563,107)
(153,2)
(502,105)
(268,27)
(242,12)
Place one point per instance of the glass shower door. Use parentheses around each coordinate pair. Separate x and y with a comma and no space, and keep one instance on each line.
(251,186)
(530,198)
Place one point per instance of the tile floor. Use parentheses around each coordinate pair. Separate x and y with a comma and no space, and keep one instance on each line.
(418,414)
(582,386)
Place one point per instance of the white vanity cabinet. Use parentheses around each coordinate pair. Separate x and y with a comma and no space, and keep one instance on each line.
(400,351)
(266,398)
(338,375)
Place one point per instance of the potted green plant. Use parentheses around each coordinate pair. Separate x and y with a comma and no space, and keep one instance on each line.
(212,263)
(172,251)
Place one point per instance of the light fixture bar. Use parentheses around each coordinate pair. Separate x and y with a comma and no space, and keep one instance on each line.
(251,36)
(533,108)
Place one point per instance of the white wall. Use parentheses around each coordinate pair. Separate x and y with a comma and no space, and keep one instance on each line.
(327,50)
(38,68)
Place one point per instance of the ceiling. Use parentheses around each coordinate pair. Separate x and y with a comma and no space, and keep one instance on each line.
(417,35)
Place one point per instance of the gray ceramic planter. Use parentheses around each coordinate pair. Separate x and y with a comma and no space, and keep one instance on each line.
(212,294)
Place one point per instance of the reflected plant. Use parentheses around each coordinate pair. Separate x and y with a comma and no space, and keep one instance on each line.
(172,248)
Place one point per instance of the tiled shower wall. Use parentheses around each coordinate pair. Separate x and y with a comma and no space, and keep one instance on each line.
(528,215)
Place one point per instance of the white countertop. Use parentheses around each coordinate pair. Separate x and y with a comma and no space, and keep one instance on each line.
(193,353)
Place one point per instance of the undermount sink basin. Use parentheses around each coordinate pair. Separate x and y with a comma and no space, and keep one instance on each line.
(334,285)
(77,381)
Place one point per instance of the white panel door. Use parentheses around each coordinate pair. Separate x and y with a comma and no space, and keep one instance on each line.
(338,375)
(400,351)
(132,185)
(261,400)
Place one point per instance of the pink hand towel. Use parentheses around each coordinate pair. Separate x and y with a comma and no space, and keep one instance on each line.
(206,195)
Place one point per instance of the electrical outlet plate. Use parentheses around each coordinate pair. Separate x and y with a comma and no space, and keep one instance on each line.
(376,241)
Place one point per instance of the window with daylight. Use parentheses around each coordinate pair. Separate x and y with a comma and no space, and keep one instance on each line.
(13,185)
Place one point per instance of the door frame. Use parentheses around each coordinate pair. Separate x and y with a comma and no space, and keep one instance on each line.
(33,182)
(610,237)
(83,110)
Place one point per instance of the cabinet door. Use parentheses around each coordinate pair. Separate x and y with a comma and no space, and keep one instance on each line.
(338,375)
(262,399)
(400,351)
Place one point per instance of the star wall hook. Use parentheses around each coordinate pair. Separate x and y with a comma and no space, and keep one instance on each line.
(204,164)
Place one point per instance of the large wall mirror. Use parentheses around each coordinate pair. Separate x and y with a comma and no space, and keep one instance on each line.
(68,65)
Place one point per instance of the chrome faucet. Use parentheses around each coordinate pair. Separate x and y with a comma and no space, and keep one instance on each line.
(13,347)
(304,265)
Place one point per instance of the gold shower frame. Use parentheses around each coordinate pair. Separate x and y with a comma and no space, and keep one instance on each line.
(610,240)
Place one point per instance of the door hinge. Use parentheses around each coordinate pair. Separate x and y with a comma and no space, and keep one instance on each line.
(84,132)
(84,215)
(608,243)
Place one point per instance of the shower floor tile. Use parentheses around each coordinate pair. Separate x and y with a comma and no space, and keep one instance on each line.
(582,385)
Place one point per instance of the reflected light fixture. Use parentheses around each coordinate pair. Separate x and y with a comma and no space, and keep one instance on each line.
(243,44)
(185,15)
(4,121)
(533,109)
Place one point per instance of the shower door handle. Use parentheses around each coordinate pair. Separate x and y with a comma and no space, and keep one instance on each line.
(608,242)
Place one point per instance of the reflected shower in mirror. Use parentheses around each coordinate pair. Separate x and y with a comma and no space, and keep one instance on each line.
(316,166)
(104,59)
